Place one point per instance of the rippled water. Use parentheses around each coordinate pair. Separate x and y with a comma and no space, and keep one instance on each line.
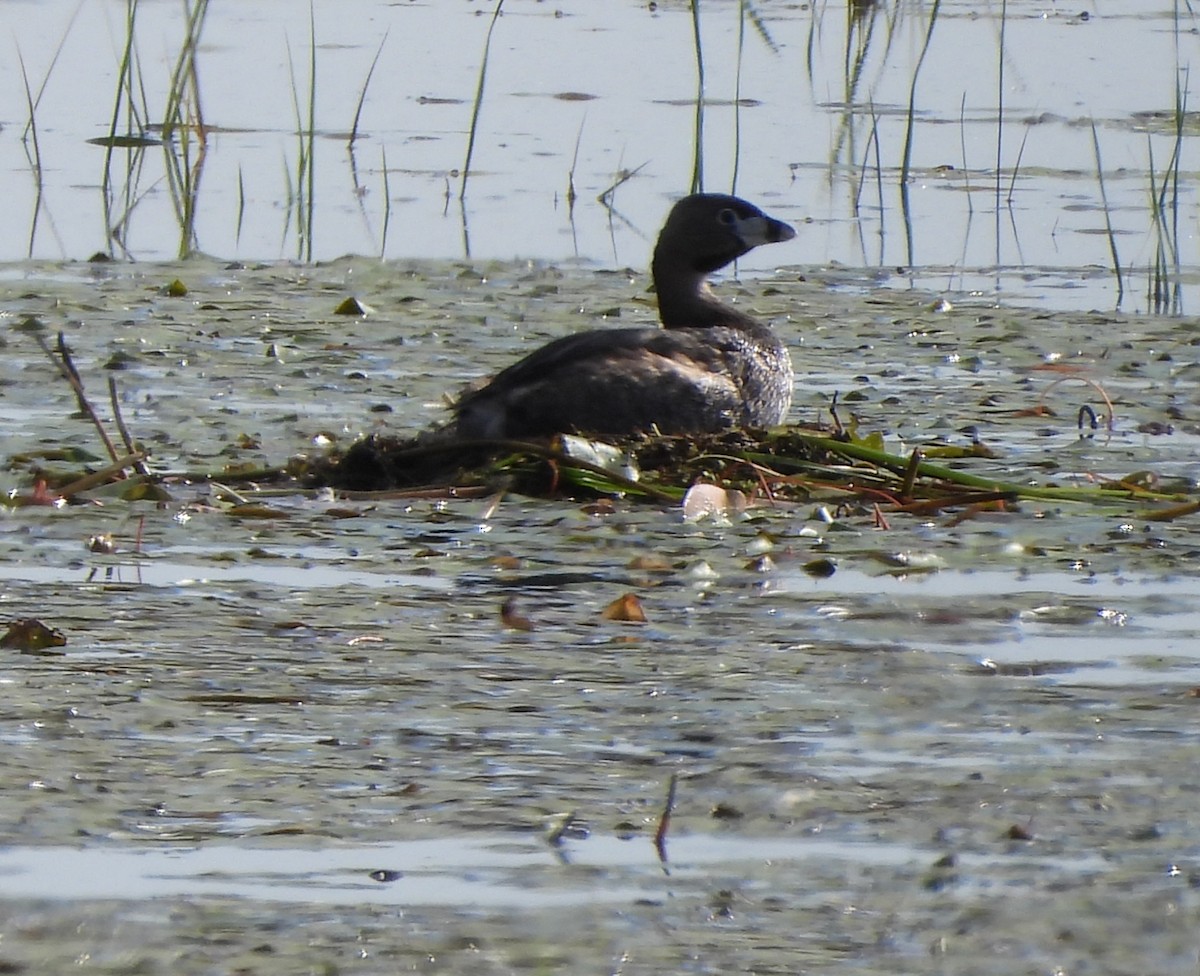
(307,740)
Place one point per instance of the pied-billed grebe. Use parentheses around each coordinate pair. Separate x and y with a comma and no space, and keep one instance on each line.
(711,367)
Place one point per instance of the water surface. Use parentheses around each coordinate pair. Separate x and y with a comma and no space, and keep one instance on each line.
(308,739)
(584,94)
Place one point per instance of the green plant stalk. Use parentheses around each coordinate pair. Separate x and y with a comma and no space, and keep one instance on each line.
(698,145)
(312,126)
(362,95)
(31,126)
(290,203)
(962,143)
(300,195)
(36,162)
(737,96)
(478,105)
(295,182)
(123,71)
(241,207)
(387,205)
(1017,167)
(571,194)
(62,42)
(860,31)
(183,74)
(925,469)
(1000,117)
(183,121)
(1156,285)
(1112,239)
(906,161)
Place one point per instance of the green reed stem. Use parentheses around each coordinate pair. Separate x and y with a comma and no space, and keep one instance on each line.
(1000,116)
(31,126)
(572,196)
(1017,166)
(387,204)
(36,162)
(1112,239)
(123,73)
(962,144)
(362,94)
(184,79)
(241,207)
(478,105)
(698,145)
(737,96)
(906,162)
(312,126)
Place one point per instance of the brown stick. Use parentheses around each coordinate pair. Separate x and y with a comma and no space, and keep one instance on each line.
(102,476)
(66,369)
(139,466)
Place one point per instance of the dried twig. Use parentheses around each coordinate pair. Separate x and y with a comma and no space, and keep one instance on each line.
(104,475)
(66,369)
(124,431)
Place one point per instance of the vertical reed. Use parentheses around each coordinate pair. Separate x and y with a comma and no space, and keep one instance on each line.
(478,104)
(698,144)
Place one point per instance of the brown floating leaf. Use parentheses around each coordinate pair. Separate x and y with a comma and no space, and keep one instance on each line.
(511,619)
(651,564)
(252,511)
(601,506)
(627,608)
(31,636)
(343,513)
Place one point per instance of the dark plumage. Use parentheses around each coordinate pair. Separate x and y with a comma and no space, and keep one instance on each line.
(711,367)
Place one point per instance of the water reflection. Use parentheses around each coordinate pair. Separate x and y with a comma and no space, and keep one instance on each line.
(804,109)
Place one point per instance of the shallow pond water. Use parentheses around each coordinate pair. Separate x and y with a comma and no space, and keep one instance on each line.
(1003,198)
(306,741)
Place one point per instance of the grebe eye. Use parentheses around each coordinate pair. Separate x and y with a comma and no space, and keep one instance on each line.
(727,217)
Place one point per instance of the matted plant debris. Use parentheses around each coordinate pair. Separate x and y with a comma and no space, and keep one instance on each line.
(788,464)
